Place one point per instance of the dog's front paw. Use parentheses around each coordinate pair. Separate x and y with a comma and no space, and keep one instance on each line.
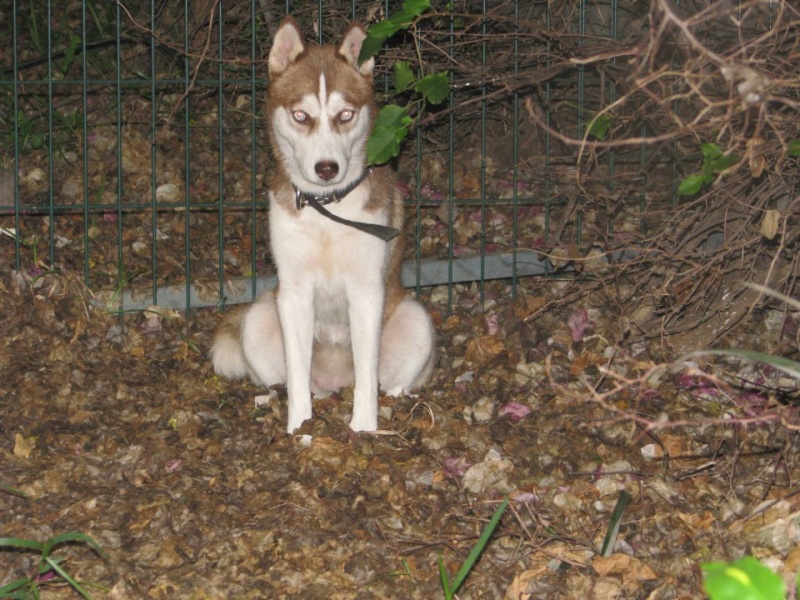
(299,409)
(364,422)
(296,419)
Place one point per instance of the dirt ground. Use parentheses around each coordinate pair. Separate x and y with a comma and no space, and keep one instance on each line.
(117,428)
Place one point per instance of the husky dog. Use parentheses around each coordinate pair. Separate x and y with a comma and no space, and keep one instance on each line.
(339,316)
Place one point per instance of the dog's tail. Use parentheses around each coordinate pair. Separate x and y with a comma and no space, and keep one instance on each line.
(227,354)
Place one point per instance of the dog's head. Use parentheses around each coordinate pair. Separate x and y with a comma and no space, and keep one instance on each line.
(320,107)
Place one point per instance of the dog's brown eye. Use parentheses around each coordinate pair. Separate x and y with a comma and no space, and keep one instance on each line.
(346,115)
(299,116)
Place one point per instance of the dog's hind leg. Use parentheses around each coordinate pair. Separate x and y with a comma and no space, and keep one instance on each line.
(226,353)
(407,349)
(262,342)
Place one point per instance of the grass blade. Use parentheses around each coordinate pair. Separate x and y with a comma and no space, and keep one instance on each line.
(789,367)
(66,577)
(22,544)
(11,490)
(11,590)
(72,536)
(762,289)
(616,521)
(448,594)
(478,548)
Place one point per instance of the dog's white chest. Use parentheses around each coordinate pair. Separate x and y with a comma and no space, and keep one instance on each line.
(309,245)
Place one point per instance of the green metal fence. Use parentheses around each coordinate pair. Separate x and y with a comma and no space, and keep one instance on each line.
(135,153)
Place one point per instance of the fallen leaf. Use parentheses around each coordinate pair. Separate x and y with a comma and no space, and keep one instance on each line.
(628,567)
(79,327)
(529,305)
(470,184)
(451,323)
(22,446)
(703,521)
(675,445)
(484,349)
(584,360)
(518,588)
(770,224)
(756,156)
(792,562)
(616,564)
(181,351)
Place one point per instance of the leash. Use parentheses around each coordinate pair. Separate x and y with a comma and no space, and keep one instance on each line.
(379,231)
(317,202)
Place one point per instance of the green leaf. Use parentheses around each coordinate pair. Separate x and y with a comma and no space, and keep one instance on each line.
(69,52)
(794,148)
(403,76)
(711,151)
(416,7)
(382,145)
(401,19)
(599,126)
(723,162)
(744,579)
(383,30)
(690,185)
(434,87)
(370,47)
(393,115)
(388,27)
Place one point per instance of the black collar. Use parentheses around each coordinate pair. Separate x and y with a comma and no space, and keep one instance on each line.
(305,198)
(317,201)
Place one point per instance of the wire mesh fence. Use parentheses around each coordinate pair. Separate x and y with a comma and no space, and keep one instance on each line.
(135,149)
(135,154)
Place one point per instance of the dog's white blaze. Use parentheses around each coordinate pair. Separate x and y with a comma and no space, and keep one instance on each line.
(323,93)
(330,146)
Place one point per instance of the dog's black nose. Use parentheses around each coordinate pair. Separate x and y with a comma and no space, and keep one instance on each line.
(326,169)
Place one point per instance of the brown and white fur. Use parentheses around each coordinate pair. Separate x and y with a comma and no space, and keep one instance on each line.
(340,316)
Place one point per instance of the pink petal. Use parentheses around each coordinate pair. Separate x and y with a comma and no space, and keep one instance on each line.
(173,465)
(515,410)
(455,466)
(492,324)
(431,193)
(578,323)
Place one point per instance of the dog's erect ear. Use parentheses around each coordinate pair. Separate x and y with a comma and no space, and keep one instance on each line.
(286,46)
(351,48)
